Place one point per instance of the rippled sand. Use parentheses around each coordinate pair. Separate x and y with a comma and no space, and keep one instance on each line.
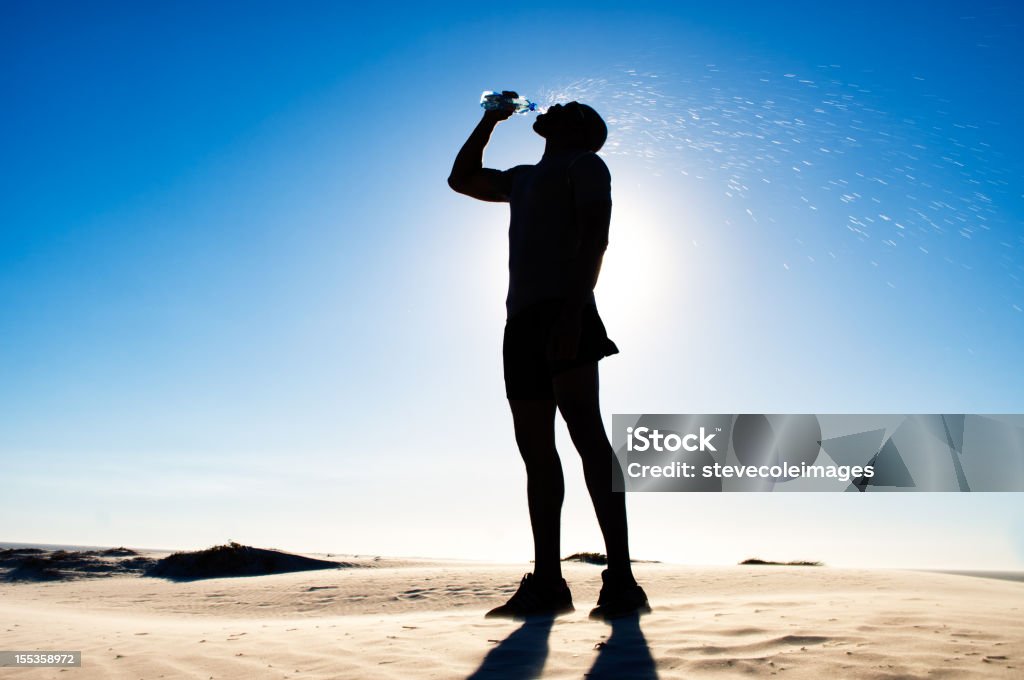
(424,619)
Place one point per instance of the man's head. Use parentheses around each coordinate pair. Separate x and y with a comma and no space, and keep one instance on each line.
(572,125)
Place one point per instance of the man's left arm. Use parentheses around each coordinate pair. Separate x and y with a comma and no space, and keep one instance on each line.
(591,187)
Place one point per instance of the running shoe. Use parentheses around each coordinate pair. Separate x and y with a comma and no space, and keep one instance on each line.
(533,599)
(619,597)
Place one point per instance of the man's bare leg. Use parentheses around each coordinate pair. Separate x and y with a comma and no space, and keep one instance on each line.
(542,593)
(576,393)
(534,421)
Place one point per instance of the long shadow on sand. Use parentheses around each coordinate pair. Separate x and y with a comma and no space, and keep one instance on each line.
(519,656)
(625,654)
(522,654)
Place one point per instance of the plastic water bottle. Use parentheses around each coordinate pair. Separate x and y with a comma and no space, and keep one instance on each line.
(491,100)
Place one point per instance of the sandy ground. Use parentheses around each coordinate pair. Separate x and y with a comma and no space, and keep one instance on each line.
(421,619)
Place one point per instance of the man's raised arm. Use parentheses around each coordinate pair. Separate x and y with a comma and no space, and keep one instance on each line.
(469,176)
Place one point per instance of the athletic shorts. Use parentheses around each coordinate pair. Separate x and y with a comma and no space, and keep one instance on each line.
(528,371)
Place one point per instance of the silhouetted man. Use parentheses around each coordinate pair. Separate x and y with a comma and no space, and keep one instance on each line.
(558,232)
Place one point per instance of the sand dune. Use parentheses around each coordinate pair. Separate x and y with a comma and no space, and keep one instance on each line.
(424,619)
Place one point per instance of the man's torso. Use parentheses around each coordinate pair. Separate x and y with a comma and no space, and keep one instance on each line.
(543,233)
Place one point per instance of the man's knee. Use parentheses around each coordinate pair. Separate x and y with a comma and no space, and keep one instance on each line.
(535,444)
(582,416)
(576,392)
(534,424)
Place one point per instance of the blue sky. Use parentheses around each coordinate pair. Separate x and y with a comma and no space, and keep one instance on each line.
(240,301)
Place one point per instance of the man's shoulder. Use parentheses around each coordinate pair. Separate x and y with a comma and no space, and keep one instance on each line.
(516,175)
(589,168)
(588,161)
(508,179)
